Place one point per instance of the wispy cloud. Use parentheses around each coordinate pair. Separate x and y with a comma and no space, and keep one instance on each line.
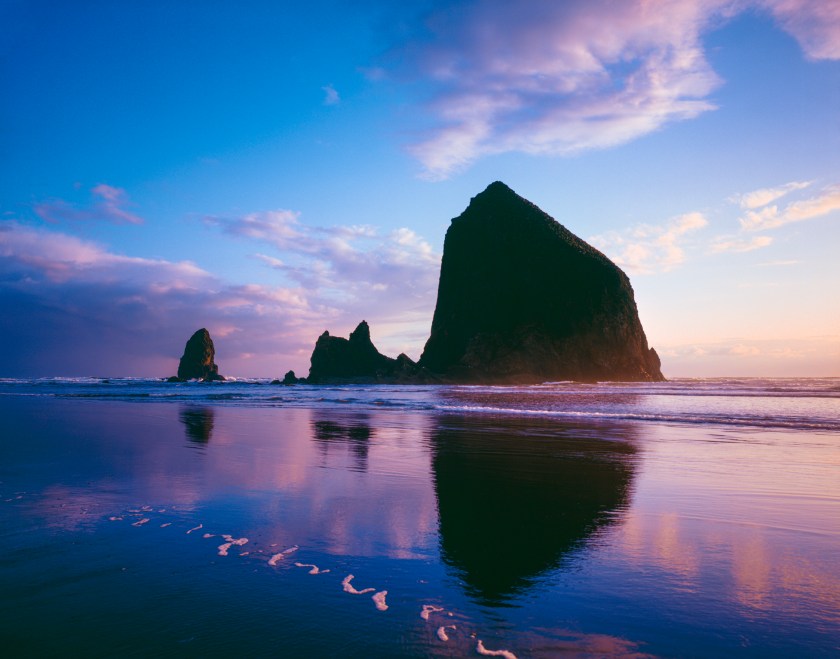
(556,78)
(108,204)
(735,244)
(815,24)
(389,278)
(758,198)
(331,96)
(772,216)
(780,356)
(647,249)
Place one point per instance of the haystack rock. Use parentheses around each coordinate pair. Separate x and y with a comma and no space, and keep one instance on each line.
(521,299)
(197,362)
(336,359)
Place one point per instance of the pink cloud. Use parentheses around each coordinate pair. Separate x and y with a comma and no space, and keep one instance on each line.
(564,77)
(131,316)
(351,272)
(108,204)
(815,24)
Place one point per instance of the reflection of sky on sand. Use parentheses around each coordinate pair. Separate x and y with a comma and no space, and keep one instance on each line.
(532,533)
(731,516)
(293,475)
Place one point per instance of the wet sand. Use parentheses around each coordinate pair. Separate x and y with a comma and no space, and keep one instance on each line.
(460,535)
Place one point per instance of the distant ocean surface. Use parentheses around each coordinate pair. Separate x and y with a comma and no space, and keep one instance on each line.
(796,403)
(690,518)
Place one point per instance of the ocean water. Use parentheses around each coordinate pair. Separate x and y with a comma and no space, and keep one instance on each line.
(692,518)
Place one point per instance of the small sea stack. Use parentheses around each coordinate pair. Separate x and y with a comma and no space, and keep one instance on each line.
(336,359)
(197,362)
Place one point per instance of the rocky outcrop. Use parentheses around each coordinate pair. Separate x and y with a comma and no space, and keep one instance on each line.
(289,378)
(197,362)
(523,300)
(336,359)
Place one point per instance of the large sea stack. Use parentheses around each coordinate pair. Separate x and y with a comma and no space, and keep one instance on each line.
(521,299)
(336,359)
(197,362)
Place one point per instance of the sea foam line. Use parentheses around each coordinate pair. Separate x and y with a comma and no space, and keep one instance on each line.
(348,587)
(507,654)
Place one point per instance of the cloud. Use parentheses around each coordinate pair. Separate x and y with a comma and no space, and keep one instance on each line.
(771,216)
(730,244)
(354,271)
(331,96)
(108,205)
(646,249)
(385,276)
(131,316)
(762,197)
(815,24)
(815,356)
(557,78)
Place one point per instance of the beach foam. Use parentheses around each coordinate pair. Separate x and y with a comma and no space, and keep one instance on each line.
(441,632)
(379,600)
(348,587)
(507,654)
(428,609)
(315,569)
(223,548)
(200,526)
(163,526)
(279,557)
(141,522)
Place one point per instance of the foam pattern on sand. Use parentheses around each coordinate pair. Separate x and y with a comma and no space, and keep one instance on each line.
(507,654)
(349,588)
(379,600)
(281,555)
(315,569)
(428,609)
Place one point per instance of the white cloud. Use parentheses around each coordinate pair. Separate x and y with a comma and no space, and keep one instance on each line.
(762,197)
(556,78)
(646,249)
(731,244)
(358,272)
(771,217)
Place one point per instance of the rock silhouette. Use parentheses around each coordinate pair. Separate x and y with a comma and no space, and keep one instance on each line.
(197,361)
(336,359)
(523,300)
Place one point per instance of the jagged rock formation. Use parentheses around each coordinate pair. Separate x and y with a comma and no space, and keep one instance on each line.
(289,378)
(521,300)
(336,359)
(197,362)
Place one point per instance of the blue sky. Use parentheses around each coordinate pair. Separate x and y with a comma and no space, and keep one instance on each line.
(269,170)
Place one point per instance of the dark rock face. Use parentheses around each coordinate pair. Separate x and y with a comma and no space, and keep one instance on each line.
(336,359)
(290,378)
(522,300)
(197,361)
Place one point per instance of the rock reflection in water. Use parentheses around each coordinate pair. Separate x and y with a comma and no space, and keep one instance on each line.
(353,431)
(198,423)
(517,496)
